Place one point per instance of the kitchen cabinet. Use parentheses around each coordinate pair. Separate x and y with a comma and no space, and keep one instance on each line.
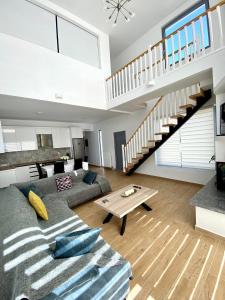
(2,147)
(61,137)
(10,140)
(43,130)
(7,177)
(22,174)
(26,136)
(76,133)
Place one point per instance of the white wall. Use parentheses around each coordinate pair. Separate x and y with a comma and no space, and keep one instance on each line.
(32,71)
(152,36)
(129,123)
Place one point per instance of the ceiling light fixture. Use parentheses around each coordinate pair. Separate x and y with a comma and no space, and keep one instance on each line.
(117,8)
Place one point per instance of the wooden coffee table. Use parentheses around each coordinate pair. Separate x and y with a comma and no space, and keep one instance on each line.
(119,206)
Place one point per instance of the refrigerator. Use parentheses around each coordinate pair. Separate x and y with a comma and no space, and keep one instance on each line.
(78,152)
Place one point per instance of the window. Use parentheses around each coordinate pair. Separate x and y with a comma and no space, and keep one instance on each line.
(78,43)
(191,146)
(180,21)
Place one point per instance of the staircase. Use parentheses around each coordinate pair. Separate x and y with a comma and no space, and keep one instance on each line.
(164,119)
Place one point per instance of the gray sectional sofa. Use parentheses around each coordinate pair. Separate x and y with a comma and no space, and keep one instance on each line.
(27,267)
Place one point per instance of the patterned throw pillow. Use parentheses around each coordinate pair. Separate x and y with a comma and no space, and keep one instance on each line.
(76,243)
(63,182)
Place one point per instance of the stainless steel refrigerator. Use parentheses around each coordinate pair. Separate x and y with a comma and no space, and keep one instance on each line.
(78,152)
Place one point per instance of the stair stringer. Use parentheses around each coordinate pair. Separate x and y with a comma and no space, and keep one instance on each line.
(181,121)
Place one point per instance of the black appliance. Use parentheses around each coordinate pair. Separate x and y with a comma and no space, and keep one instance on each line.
(222,119)
(220,175)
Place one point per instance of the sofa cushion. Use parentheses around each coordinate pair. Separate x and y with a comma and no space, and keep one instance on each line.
(25,189)
(76,243)
(63,182)
(38,205)
(90,177)
(80,193)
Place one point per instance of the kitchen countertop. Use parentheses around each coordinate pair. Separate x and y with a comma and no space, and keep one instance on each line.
(14,166)
(210,198)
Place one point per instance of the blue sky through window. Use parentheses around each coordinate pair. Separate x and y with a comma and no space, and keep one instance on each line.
(182,21)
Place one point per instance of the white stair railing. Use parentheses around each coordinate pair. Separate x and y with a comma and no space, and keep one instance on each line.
(157,60)
(164,114)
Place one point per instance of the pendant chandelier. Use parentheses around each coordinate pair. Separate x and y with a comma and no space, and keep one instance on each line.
(117,9)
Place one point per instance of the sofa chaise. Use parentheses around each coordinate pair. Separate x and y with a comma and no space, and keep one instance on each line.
(28,269)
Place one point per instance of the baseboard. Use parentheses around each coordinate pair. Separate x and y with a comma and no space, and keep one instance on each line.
(209,232)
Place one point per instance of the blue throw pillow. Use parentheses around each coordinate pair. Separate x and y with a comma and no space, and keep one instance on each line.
(30,187)
(90,177)
(76,243)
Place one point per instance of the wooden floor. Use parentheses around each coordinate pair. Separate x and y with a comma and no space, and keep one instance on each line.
(170,260)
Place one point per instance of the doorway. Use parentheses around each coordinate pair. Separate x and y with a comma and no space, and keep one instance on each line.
(119,140)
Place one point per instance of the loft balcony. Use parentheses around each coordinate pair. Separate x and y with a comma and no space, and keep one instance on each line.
(194,51)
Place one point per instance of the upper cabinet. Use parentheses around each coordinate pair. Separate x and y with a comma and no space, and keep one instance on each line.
(78,43)
(28,22)
(26,136)
(19,138)
(61,137)
(76,133)
(2,147)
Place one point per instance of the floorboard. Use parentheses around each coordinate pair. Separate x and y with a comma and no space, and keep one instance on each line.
(170,260)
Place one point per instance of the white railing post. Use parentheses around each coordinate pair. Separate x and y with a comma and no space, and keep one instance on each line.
(122,82)
(141,71)
(146,68)
(123,155)
(179,48)
(211,30)
(173,54)
(167,59)
(220,25)
(155,60)
(186,44)
(150,78)
(202,35)
(194,40)
(129,78)
(133,75)
(161,59)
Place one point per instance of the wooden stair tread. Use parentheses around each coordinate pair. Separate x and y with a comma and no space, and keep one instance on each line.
(161,133)
(195,96)
(177,116)
(187,106)
(167,125)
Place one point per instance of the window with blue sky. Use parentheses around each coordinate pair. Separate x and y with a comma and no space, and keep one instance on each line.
(180,21)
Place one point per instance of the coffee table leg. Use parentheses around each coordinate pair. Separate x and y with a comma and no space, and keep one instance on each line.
(146,207)
(108,218)
(123,225)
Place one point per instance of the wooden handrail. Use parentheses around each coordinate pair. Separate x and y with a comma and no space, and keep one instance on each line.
(169,36)
(156,104)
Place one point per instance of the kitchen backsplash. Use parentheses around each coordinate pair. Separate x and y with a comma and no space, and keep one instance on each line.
(20,157)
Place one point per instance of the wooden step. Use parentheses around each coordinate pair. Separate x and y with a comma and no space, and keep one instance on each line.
(135,160)
(168,125)
(195,96)
(178,116)
(189,105)
(161,133)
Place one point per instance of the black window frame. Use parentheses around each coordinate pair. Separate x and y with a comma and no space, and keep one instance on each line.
(184,14)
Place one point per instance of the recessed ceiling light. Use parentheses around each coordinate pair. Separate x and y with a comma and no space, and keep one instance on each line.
(39,112)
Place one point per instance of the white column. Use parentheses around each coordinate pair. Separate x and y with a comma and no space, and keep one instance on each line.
(123,155)
(166,56)
(146,67)
(155,59)
(137,75)
(161,59)
(122,82)
(194,40)
(133,75)
(129,78)
(141,70)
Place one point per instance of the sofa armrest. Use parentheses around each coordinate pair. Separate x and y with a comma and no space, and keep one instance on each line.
(103,183)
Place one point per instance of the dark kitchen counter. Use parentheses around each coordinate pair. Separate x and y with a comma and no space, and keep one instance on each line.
(210,198)
(4,167)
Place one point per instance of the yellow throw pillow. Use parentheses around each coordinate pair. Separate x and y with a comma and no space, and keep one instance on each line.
(38,205)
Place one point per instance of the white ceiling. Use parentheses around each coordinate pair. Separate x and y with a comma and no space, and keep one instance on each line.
(27,109)
(148,13)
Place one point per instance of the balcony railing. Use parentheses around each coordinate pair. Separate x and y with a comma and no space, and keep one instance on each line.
(158,60)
